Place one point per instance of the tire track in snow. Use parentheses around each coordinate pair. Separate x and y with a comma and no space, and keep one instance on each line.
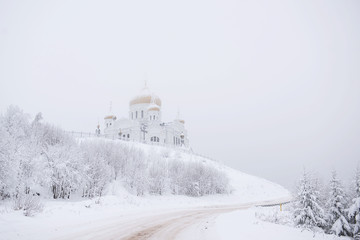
(160,226)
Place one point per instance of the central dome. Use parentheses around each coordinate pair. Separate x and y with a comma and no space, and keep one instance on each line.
(146,97)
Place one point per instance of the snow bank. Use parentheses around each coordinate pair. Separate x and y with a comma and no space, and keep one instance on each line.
(244,225)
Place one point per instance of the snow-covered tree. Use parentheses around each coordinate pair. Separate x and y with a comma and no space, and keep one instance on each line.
(308,212)
(176,169)
(336,205)
(14,152)
(136,175)
(158,176)
(354,209)
(97,172)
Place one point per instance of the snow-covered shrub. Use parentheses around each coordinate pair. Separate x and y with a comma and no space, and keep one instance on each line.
(195,178)
(32,205)
(274,215)
(29,203)
(336,205)
(308,211)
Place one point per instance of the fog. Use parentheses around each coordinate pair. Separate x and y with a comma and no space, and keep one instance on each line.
(267,87)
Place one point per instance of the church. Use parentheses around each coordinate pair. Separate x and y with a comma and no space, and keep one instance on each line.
(145,125)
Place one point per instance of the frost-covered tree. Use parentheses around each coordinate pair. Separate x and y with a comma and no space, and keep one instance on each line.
(336,205)
(176,169)
(308,212)
(61,162)
(136,175)
(158,176)
(97,172)
(14,152)
(354,209)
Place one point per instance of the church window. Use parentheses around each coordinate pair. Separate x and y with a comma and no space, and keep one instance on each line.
(136,114)
(142,114)
(154,139)
(128,136)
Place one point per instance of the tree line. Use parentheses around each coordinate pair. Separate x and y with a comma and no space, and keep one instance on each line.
(329,208)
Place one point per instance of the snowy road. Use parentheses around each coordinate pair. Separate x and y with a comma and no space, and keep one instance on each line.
(187,224)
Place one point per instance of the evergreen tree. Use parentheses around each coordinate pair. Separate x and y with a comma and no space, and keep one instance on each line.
(336,204)
(308,212)
(354,209)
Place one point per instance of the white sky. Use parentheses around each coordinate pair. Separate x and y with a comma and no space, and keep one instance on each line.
(268,87)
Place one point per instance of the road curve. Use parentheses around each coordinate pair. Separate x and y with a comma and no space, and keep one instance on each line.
(159,226)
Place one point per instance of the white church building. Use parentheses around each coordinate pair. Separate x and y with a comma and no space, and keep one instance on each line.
(144,123)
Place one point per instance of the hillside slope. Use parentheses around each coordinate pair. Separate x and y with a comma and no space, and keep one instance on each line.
(243,187)
(70,217)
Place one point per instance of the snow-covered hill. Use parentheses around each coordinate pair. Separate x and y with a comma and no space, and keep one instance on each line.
(242,187)
(89,182)
(59,216)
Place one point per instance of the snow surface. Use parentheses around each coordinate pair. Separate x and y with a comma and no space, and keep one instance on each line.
(243,223)
(61,217)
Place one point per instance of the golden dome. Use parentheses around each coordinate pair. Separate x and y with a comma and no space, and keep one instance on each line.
(110,117)
(146,97)
(182,121)
(154,107)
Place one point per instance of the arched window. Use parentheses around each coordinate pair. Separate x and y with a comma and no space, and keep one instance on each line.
(136,114)
(142,114)
(155,139)
(128,136)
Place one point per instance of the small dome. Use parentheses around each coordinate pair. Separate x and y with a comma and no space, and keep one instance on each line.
(110,117)
(153,107)
(146,96)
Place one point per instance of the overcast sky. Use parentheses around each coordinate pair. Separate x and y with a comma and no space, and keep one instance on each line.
(267,87)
